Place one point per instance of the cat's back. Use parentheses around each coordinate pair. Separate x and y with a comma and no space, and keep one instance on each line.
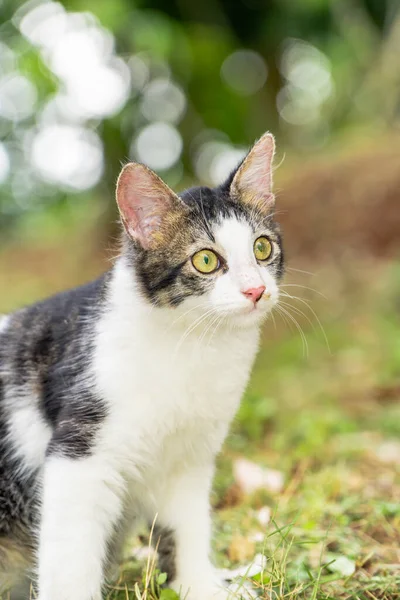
(41,336)
(50,323)
(44,350)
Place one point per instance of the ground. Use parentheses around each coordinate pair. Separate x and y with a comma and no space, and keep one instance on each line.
(322,411)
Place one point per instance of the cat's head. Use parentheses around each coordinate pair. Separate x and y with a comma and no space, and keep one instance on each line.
(208,249)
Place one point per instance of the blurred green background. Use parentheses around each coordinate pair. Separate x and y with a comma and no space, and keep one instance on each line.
(186,87)
(183,86)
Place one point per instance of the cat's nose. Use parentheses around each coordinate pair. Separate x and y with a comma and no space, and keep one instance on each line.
(254,293)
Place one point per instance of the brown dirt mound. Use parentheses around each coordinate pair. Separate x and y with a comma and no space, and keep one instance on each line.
(349,206)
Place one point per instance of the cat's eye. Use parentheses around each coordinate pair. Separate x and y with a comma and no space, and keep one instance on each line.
(205,261)
(262,248)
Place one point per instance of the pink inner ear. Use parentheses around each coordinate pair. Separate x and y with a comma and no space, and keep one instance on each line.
(142,200)
(254,178)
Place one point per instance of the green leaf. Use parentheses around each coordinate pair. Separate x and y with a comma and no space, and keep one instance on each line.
(262,578)
(162,578)
(168,594)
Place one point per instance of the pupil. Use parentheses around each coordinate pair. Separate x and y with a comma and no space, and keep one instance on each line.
(206,259)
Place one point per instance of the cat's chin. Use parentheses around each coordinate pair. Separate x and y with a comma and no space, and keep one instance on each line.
(249,318)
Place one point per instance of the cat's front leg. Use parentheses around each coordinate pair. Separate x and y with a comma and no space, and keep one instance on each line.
(81,503)
(183,536)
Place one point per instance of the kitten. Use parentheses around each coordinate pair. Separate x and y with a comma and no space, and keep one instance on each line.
(116,397)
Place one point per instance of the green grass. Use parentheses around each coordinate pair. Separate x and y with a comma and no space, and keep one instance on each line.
(329,422)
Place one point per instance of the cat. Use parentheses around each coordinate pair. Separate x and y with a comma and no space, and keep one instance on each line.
(115,397)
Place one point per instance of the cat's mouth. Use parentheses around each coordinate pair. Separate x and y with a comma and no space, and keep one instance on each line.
(252,312)
(264,304)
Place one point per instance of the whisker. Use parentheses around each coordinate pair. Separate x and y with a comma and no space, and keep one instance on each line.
(299,271)
(298,312)
(217,322)
(305,287)
(283,317)
(193,326)
(298,326)
(273,318)
(315,316)
(201,304)
(207,329)
(280,163)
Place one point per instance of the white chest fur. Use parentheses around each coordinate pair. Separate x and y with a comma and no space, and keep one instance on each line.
(171,397)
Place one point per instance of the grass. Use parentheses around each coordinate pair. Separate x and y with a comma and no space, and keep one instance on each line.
(329,420)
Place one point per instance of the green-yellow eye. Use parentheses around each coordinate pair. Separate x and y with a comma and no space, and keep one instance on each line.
(205,261)
(262,248)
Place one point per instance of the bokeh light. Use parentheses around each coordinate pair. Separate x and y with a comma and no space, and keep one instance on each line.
(244,71)
(215,159)
(308,84)
(4,163)
(7,59)
(54,141)
(68,155)
(297,107)
(163,100)
(139,72)
(159,145)
(17,97)
(307,68)
(81,54)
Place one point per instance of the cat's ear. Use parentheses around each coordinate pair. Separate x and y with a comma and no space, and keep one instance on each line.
(252,183)
(146,205)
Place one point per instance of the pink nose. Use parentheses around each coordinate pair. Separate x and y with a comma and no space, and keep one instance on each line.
(254,293)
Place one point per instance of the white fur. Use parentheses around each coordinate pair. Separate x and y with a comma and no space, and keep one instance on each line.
(236,240)
(28,432)
(81,504)
(171,388)
(4,322)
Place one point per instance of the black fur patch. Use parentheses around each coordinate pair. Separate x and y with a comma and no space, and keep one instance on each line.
(44,354)
(164,541)
(49,347)
(77,426)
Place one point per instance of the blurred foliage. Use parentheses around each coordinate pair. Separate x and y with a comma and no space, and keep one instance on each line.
(305,69)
